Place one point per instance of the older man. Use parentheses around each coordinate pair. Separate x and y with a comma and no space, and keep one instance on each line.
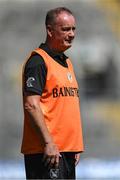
(52,138)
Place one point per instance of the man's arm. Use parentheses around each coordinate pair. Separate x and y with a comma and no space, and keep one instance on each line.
(32,106)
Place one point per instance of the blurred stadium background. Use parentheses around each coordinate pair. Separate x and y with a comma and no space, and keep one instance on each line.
(96,58)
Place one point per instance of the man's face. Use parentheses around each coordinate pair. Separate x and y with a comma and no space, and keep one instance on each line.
(63,32)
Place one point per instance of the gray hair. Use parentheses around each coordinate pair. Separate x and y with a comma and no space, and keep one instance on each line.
(53,13)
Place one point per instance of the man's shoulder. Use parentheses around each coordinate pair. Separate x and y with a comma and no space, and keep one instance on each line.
(35,60)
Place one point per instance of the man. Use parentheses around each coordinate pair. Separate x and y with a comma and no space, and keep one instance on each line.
(52,139)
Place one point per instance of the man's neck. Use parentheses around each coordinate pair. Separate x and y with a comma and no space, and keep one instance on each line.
(53,48)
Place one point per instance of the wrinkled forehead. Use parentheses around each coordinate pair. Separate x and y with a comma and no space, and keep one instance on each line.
(65,18)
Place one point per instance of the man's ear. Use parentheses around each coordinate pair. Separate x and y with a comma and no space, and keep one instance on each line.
(49,30)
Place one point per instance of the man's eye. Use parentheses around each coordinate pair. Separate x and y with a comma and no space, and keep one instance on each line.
(68,29)
(73,29)
(65,29)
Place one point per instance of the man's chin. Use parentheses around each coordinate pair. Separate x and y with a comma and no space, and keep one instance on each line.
(68,46)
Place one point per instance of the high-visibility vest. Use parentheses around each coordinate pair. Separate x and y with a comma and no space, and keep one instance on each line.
(60,106)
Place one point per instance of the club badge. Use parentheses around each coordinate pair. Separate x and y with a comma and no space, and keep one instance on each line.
(29,81)
(69,76)
(54,173)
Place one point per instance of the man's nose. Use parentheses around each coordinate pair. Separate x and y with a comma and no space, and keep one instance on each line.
(71,33)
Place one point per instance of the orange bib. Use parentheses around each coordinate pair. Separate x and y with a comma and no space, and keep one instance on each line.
(60,106)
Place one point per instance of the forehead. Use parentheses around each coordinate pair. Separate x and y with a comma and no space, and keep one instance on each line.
(65,19)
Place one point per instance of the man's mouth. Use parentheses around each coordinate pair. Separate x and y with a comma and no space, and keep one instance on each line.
(69,41)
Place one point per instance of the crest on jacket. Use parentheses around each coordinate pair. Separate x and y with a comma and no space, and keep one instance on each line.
(69,76)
